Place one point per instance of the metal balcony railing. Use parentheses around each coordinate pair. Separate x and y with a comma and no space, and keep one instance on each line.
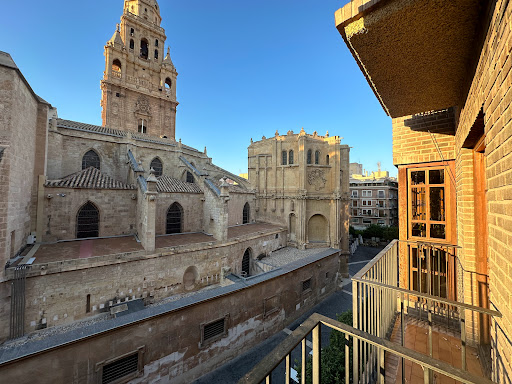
(379,300)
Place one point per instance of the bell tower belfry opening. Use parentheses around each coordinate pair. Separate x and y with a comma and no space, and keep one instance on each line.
(139,82)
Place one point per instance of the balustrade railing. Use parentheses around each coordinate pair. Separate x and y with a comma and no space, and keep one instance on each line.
(384,292)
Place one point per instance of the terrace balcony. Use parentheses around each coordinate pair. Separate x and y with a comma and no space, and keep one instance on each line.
(413,321)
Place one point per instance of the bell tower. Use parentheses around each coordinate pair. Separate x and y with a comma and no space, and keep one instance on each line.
(138,89)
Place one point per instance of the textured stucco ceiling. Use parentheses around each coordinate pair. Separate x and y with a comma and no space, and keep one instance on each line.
(414,53)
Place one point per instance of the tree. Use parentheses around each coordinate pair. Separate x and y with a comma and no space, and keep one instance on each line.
(332,357)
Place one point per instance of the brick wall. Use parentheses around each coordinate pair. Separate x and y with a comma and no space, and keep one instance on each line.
(490,91)
(412,144)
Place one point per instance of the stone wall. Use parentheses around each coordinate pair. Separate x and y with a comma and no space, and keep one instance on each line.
(172,340)
(19,113)
(236,205)
(117,276)
(117,211)
(192,205)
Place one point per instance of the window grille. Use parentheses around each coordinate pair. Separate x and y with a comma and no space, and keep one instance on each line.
(174,218)
(157,166)
(246,263)
(121,368)
(88,219)
(309,156)
(214,330)
(290,157)
(284,156)
(317,157)
(306,285)
(91,159)
(246,214)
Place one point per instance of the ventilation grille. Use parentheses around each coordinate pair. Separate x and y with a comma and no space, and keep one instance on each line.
(120,368)
(213,329)
(306,284)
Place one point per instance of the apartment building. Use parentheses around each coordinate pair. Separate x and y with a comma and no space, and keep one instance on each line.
(373,198)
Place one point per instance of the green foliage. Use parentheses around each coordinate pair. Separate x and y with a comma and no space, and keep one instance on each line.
(380,231)
(332,356)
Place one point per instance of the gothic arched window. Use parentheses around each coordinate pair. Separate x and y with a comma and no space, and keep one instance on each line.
(317,157)
(246,263)
(91,159)
(309,156)
(87,221)
(144,49)
(143,126)
(174,219)
(157,166)
(290,157)
(190,178)
(246,214)
(116,66)
(284,157)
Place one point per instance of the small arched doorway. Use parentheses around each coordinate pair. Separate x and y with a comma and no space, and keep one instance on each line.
(246,263)
(87,221)
(318,229)
(246,216)
(174,219)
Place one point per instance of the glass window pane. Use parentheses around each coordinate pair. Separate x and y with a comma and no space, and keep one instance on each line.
(438,231)
(437,208)
(418,204)
(419,229)
(417,177)
(436,176)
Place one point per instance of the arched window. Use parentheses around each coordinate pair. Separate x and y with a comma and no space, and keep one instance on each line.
(143,126)
(293,225)
(156,54)
(246,263)
(327,159)
(318,229)
(168,83)
(309,156)
(157,166)
(290,157)
(284,157)
(87,221)
(317,157)
(116,66)
(190,178)
(132,44)
(174,219)
(144,50)
(156,43)
(91,159)
(246,214)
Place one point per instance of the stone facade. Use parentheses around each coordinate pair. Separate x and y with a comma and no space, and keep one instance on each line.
(301,182)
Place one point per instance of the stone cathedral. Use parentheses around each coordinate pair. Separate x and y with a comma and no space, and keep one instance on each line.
(111,226)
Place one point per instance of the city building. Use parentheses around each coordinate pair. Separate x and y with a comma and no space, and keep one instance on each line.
(373,198)
(131,256)
(434,306)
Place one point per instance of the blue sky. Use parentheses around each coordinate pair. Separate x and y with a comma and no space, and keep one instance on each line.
(246,68)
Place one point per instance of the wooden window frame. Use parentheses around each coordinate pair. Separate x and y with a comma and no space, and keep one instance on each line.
(450,203)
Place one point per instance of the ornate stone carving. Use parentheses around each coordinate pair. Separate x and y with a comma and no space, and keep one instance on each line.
(143,105)
(316,178)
